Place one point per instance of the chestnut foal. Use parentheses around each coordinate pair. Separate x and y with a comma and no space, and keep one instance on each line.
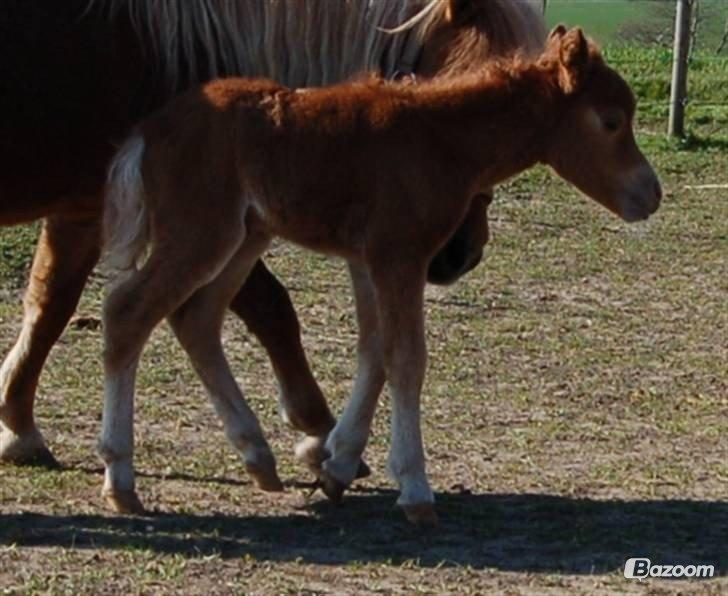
(105,64)
(211,178)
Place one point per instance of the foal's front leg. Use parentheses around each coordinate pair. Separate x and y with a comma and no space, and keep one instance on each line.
(400,301)
(392,341)
(347,441)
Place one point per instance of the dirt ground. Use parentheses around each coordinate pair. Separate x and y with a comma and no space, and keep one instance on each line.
(575,415)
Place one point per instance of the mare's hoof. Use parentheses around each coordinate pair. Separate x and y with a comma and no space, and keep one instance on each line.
(125,502)
(422,515)
(331,487)
(28,450)
(265,477)
(312,452)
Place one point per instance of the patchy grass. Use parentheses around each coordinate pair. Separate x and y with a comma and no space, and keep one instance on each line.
(575,415)
(16,254)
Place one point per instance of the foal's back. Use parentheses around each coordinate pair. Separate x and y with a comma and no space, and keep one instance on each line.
(322,158)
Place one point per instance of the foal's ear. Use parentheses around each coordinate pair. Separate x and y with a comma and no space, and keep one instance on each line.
(557,33)
(573,59)
(461,12)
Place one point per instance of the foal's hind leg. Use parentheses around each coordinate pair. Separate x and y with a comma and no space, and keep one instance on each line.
(197,325)
(67,251)
(131,311)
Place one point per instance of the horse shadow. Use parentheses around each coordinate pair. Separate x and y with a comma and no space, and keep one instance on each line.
(509,532)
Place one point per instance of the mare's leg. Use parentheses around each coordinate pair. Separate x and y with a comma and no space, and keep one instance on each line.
(197,325)
(347,441)
(67,251)
(173,272)
(266,309)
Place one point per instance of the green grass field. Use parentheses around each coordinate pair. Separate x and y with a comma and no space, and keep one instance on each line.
(601,19)
(575,411)
(605,19)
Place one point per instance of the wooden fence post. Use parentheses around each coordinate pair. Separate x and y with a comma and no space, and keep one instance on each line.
(678,92)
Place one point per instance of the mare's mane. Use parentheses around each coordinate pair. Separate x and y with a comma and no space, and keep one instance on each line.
(304,43)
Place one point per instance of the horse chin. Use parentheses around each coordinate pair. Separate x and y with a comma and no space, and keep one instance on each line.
(450,264)
(638,206)
(632,214)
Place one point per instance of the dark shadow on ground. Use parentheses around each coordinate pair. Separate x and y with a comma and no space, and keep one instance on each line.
(524,532)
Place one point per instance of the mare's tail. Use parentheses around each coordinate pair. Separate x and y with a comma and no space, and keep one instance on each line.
(126,219)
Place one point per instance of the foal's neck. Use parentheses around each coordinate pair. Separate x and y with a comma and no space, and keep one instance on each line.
(496,121)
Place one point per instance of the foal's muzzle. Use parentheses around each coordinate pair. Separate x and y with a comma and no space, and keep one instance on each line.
(642,196)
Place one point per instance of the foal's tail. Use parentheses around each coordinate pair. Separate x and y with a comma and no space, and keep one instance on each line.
(126,219)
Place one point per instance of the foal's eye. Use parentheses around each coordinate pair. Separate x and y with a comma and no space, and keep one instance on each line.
(612,122)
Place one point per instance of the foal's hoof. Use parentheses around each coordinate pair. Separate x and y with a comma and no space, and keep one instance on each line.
(422,515)
(331,487)
(265,477)
(27,450)
(125,502)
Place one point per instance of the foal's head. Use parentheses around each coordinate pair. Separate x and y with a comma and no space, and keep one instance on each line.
(593,144)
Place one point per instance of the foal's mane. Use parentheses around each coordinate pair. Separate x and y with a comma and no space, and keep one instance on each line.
(483,88)
(303,43)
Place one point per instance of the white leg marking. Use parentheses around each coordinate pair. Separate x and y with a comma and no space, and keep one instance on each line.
(347,441)
(349,437)
(406,457)
(12,445)
(117,429)
(403,340)
(13,360)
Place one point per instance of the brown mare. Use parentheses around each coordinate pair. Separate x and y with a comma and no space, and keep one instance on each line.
(77,74)
(379,174)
